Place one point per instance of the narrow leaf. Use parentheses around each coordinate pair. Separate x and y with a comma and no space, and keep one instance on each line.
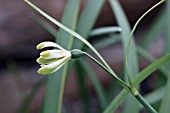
(138,79)
(56,82)
(164,107)
(99,89)
(105,42)
(105,31)
(131,105)
(151,58)
(82,86)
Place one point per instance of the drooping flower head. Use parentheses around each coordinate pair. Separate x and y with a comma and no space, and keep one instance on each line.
(52,60)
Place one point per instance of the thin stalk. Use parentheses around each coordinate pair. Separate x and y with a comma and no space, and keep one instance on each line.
(132,90)
(145,104)
(122,83)
(132,32)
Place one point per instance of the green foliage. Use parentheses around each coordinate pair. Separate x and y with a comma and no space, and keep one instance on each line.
(82,29)
(56,82)
(92,76)
(131,103)
(166,99)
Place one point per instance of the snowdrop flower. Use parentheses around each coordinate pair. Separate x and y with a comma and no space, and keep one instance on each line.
(52,60)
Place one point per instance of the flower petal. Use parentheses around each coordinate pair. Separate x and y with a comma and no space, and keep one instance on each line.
(41,60)
(49,44)
(55,54)
(51,68)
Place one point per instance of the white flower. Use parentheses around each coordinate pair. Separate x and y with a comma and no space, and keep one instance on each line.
(52,60)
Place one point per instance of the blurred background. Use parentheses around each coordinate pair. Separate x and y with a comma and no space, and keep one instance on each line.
(19,35)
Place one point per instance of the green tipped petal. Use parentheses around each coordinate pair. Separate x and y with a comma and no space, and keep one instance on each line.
(52,60)
(45,70)
(41,60)
(49,44)
(41,45)
(45,53)
(52,67)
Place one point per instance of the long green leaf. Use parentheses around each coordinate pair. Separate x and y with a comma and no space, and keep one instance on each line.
(155,95)
(151,68)
(151,58)
(99,89)
(131,104)
(82,86)
(84,27)
(105,42)
(88,18)
(56,82)
(124,24)
(138,79)
(166,100)
(105,30)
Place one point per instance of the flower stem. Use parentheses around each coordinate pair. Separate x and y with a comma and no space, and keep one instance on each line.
(145,103)
(132,32)
(124,85)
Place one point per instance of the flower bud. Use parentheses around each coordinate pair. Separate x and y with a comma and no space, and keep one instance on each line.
(76,53)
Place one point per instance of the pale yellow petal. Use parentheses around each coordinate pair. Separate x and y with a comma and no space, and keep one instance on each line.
(48,44)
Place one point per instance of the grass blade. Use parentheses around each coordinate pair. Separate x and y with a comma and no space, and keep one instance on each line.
(151,58)
(151,68)
(138,79)
(82,86)
(105,42)
(56,82)
(111,108)
(131,104)
(97,85)
(86,23)
(124,24)
(105,30)
(164,107)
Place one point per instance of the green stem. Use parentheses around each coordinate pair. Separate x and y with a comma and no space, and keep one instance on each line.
(122,83)
(145,104)
(133,30)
